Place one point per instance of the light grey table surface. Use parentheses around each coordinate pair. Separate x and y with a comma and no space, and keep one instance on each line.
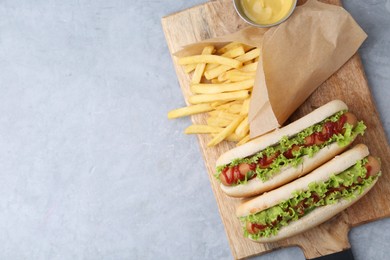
(90,166)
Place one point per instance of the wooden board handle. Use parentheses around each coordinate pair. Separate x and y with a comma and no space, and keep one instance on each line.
(327,239)
(343,255)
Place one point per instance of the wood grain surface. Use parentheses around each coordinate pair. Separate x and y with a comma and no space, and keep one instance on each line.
(349,84)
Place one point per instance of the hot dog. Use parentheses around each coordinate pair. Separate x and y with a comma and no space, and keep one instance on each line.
(287,153)
(312,199)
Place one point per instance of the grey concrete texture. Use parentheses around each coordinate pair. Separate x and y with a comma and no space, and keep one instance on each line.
(90,166)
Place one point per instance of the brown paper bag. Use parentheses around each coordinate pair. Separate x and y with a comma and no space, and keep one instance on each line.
(297,56)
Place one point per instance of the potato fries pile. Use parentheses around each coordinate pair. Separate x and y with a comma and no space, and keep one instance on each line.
(221,83)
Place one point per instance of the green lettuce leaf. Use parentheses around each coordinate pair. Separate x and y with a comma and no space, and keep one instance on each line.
(287,211)
(286,143)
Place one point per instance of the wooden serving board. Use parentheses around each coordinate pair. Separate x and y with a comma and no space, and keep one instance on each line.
(349,84)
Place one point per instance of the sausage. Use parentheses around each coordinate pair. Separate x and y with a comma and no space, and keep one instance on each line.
(331,128)
(373,166)
(289,153)
(226,176)
(254,228)
(236,173)
(232,175)
(244,168)
(351,119)
(264,162)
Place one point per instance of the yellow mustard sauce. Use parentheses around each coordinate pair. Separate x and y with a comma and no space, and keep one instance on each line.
(267,11)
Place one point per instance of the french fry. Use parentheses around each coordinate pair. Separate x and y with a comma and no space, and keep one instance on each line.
(245,107)
(215,72)
(190,67)
(223,114)
(233,45)
(207,98)
(235,52)
(235,108)
(225,132)
(250,55)
(198,73)
(206,88)
(228,47)
(250,67)
(210,59)
(216,81)
(218,122)
(226,105)
(237,78)
(190,110)
(217,104)
(202,129)
(236,75)
(226,98)
(231,138)
(232,53)
(237,72)
(243,128)
(243,140)
(221,77)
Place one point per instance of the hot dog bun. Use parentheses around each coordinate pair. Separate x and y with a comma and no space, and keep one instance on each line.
(317,216)
(287,173)
(256,186)
(272,138)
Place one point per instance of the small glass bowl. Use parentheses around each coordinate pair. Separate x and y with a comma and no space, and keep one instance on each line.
(241,13)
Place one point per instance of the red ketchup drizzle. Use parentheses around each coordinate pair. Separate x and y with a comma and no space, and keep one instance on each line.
(333,190)
(315,197)
(368,168)
(252,166)
(300,208)
(229,180)
(265,161)
(329,129)
(235,174)
(289,153)
(342,121)
(258,226)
